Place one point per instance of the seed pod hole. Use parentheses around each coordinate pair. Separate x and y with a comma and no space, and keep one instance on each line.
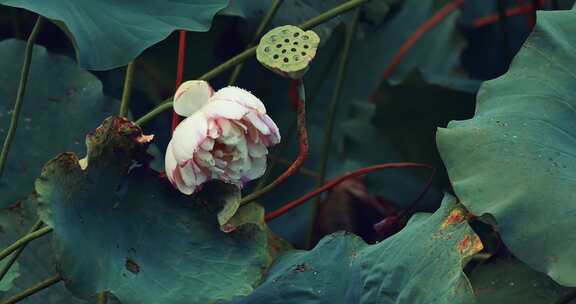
(306,46)
(279,45)
(286,59)
(287,40)
(295,42)
(296,35)
(293,50)
(276,57)
(267,49)
(305,37)
(284,51)
(303,53)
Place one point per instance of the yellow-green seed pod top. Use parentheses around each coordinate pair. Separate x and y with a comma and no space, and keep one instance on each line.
(288,50)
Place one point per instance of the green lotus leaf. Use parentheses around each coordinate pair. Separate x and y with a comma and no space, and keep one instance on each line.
(516,158)
(110,33)
(35,264)
(507,280)
(421,264)
(62,104)
(119,228)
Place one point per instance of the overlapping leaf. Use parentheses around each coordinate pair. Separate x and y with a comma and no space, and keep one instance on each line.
(110,33)
(516,158)
(62,103)
(421,264)
(119,229)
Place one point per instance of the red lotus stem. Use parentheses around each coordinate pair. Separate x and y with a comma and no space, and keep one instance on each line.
(513,11)
(415,37)
(327,186)
(298,98)
(179,71)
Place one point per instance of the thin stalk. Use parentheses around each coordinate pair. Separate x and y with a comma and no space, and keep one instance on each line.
(504,34)
(332,110)
(179,72)
(24,240)
(128,79)
(232,62)
(263,24)
(18,252)
(303,170)
(281,148)
(299,99)
(20,94)
(427,26)
(329,185)
(165,105)
(34,289)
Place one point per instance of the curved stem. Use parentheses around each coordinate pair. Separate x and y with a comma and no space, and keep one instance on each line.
(232,62)
(166,105)
(281,148)
(19,251)
(415,37)
(20,94)
(299,99)
(179,72)
(34,289)
(126,93)
(263,24)
(280,211)
(24,240)
(331,116)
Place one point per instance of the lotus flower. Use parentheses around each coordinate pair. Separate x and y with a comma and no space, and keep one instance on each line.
(225,136)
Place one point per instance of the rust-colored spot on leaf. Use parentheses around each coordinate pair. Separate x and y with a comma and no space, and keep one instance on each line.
(456,216)
(132,266)
(470,244)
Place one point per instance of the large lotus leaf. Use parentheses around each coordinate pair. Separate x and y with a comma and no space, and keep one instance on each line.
(511,281)
(62,104)
(119,228)
(516,158)
(421,264)
(110,33)
(35,264)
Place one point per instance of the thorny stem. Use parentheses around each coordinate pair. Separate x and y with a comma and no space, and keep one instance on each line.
(504,33)
(232,62)
(263,24)
(299,98)
(513,11)
(179,72)
(333,107)
(19,251)
(34,289)
(24,240)
(415,37)
(293,204)
(20,94)
(126,93)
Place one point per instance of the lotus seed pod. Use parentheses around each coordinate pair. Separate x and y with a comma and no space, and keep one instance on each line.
(288,50)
